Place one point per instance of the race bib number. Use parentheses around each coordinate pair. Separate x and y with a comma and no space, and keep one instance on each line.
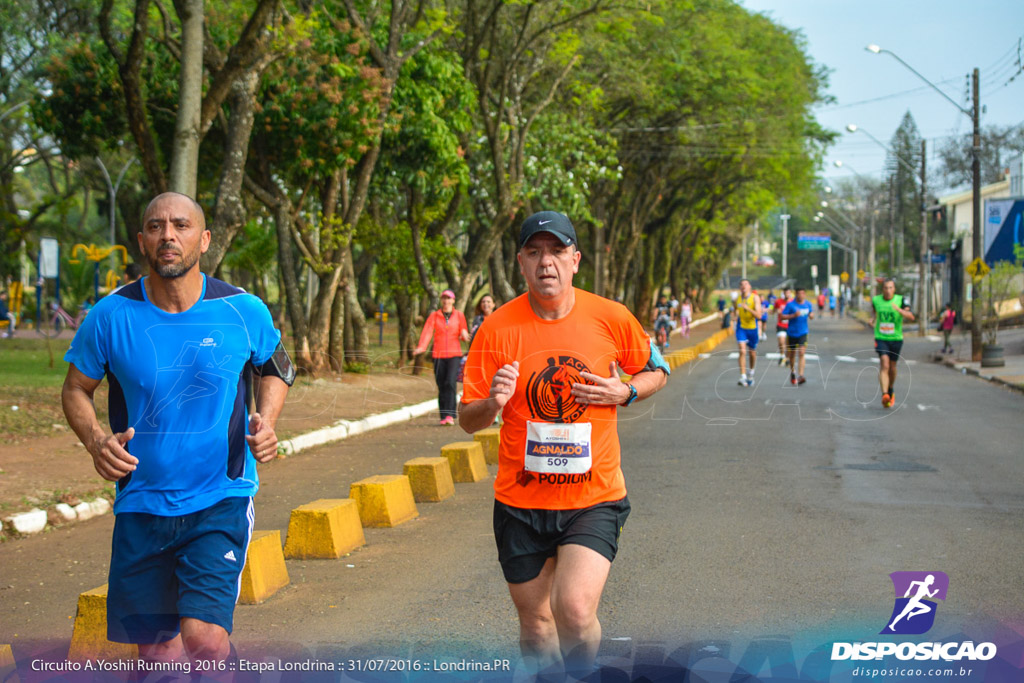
(887,328)
(804,312)
(558,448)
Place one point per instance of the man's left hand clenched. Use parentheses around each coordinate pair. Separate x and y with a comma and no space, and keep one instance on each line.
(262,439)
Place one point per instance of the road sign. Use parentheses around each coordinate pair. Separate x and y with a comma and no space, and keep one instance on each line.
(844,276)
(814,241)
(814,271)
(861,274)
(978,269)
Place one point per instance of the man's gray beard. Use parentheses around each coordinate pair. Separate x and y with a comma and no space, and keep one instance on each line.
(172,271)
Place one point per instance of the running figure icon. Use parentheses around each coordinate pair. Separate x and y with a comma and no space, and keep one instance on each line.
(915,606)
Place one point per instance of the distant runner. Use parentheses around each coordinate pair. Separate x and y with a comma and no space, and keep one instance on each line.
(663,322)
(748,311)
(797,312)
(890,310)
(762,322)
(782,325)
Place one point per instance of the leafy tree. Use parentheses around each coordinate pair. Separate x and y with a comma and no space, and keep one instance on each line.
(711,105)
(905,191)
(998,144)
(35,181)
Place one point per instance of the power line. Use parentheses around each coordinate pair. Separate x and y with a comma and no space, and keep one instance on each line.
(887,97)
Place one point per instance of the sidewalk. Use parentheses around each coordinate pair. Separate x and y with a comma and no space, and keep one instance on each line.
(1010,375)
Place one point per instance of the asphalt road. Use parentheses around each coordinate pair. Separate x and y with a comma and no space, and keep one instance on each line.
(770,511)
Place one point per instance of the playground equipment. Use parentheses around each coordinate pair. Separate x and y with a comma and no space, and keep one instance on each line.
(96,254)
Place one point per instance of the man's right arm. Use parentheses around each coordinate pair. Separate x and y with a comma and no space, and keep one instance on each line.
(109,457)
(480,414)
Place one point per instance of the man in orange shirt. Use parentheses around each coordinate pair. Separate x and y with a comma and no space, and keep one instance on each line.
(548,362)
(449,329)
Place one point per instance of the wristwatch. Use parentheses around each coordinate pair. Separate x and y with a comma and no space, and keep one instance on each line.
(632,395)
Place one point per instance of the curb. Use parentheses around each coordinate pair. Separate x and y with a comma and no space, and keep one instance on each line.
(37,519)
(695,323)
(950,363)
(342,429)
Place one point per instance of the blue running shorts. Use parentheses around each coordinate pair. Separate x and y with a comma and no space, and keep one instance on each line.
(748,337)
(163,569)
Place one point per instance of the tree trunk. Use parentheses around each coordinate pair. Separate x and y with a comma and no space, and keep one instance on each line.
(320,321)
(229,210)
(337,344)
(500,286)
(405,305)
(185,150)
(357,347)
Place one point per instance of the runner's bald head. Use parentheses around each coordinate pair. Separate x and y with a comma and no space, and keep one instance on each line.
(199,217)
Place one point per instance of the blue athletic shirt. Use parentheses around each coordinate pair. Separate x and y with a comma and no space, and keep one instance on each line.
(798,325)
(182,381)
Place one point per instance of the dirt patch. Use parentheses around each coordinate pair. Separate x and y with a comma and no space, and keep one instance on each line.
(321,402)
(38,471)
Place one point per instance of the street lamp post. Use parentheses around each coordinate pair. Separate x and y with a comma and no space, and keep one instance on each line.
(785,240)
(975,115)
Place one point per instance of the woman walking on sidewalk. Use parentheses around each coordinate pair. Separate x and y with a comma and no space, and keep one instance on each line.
(448,328)
(946,322)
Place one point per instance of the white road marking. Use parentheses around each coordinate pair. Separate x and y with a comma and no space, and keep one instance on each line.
(923,407)
(846,359)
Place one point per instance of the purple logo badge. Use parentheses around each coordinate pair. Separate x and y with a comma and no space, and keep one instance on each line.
(916,593)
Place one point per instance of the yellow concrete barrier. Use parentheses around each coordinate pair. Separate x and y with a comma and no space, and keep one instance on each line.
(430,479)
(467,461)
(384,500)
(264,573)
(89,639)
(8,667)
(325,529)
(489,439)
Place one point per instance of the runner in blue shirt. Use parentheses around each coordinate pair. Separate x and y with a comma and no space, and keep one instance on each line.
(798,312)
(180,351)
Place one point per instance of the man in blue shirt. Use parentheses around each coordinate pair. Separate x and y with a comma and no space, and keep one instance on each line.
(180,351)
(798,312)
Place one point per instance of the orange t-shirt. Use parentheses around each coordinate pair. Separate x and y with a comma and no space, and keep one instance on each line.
(551,355)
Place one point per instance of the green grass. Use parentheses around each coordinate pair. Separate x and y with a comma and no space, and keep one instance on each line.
(25,361)
(30,402)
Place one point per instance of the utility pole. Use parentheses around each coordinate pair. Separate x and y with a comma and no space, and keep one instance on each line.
(871,251)
(976,232)
(892,226)
(828,272)
(744,270)
(926,255)
(785,240)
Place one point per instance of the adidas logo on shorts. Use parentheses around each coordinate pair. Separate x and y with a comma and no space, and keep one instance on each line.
(230,555)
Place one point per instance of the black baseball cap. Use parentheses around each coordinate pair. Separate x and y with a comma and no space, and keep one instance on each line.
(557,224)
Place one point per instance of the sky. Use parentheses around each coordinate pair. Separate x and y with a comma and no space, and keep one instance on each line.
(944,40)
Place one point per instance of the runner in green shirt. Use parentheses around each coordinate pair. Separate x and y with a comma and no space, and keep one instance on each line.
(889,313)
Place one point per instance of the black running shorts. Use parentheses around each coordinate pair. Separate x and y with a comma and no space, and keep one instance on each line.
(527,538)
(794,342)
(888,348)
